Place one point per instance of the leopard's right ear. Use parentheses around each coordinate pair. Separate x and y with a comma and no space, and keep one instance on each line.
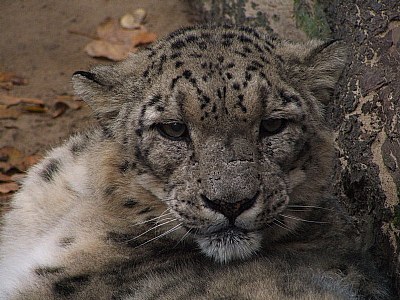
(96,88)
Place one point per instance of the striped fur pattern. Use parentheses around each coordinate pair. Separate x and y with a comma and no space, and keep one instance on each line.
(210,155)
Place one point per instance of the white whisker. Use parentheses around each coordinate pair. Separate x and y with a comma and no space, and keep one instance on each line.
(161,235)
(302,220)
(282,225)
(309,206)
(184,236)
(152,228)
(153,219)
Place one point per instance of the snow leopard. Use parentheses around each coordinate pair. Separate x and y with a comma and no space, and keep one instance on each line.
(206,176)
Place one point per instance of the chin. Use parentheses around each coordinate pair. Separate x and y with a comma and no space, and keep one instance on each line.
(230,244)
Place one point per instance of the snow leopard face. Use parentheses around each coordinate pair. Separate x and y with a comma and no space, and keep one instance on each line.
(226,125)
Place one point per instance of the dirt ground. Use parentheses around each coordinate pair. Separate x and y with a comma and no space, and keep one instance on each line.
(35,43)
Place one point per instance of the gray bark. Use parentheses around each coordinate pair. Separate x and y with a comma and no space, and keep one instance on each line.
(366,115)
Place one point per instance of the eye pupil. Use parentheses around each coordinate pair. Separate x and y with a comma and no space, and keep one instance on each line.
(272,126)
(173,130)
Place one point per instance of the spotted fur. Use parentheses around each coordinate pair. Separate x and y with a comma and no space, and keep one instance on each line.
(225,211)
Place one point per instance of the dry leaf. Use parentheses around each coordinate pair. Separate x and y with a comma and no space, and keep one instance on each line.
(12,100)
(58,109)
(6,85)
(115,42)
(12,78)
(5,178)
(28,161)
(9,113)
(72,101)
(6,188)
(18,177)
(111,51)
(143,37)
(63,103)
(11,155)
(4,166)
(132,21)
(35,108)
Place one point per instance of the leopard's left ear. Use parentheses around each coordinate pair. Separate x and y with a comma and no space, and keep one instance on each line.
(96,89)
(323,67)
(314,65)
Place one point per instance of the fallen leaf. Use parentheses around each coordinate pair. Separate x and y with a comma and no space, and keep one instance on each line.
(58,109)
(11,155)
(35,108)
(6,188)
(12,100)
(72,101)
(28,161)
(134,20)
(116,42)
(12,78)
(108,50)
(4,166)
(5,178)
(6,85)
(144,37)
(9,113)
(18,177)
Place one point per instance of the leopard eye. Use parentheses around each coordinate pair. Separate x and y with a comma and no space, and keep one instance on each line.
(173,131)
(271,126)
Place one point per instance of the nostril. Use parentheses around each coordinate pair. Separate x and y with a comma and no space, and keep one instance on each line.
(211,204)
(228,209)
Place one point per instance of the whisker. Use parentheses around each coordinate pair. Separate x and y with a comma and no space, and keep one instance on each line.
(152,228)
(310,206)
(282,225)
(184,236)
(298,209)
(303,220)
(161,235)
(153,219)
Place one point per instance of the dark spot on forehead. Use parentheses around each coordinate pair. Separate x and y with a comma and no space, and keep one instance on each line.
(202,45)
(178,44)
(236,86)
(187,74)
(191,38)
(244,39)
(226,43)
(175,80)
(175,55)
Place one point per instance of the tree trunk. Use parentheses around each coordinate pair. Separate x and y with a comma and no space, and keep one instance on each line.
(366,116)
(366,109)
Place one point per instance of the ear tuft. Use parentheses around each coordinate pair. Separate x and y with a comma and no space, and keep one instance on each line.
(88,75)
(96,88)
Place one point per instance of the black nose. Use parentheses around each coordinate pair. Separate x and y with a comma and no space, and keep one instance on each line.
(230,210)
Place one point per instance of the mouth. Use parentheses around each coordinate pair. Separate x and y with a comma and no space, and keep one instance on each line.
(231,243)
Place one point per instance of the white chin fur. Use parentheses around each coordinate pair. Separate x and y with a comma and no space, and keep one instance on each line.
(230,245)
